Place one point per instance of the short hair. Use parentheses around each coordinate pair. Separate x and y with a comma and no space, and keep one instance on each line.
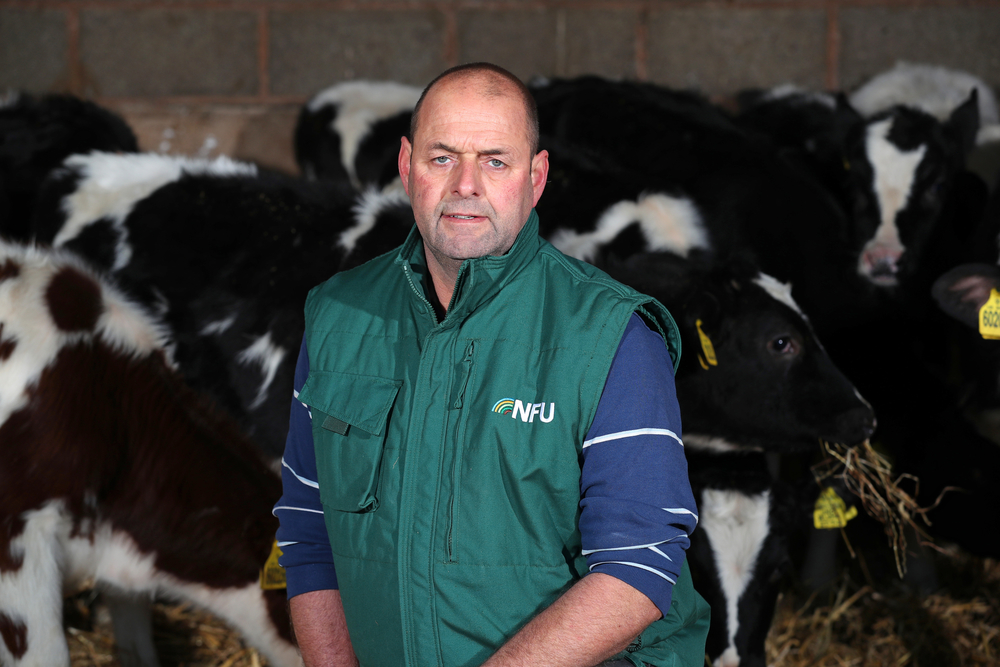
(495,90)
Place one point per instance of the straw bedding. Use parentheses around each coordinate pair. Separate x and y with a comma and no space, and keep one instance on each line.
(856,625)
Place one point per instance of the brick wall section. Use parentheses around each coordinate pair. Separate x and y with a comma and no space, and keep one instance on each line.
(227,75)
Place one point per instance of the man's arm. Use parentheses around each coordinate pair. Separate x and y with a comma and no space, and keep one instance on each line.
(592,621)
(321,630)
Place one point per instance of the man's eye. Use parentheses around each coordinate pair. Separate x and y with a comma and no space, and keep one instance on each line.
(440,160)
(496,163)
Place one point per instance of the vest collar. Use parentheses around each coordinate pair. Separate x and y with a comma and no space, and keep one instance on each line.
(479,279)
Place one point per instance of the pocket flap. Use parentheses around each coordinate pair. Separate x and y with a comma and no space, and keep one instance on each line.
(363,401)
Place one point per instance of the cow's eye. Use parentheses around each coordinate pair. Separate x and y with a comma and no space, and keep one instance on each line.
(783,345)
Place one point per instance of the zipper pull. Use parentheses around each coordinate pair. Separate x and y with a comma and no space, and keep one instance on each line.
(466,372)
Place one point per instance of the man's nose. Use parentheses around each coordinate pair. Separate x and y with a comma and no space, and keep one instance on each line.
(468,179)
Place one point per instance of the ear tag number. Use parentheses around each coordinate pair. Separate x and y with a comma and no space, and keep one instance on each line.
(272,575)
(831,511)
(989,317)
(706,347)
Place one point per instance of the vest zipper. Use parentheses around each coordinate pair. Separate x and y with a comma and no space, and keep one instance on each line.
(409,278)
(456,471)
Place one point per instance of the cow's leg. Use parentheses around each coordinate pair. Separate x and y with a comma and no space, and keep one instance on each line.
(132,618)
(31,632)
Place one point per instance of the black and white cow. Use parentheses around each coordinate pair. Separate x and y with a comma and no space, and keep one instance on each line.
(114,471)
(36,135)
(224,254)
(753,379)
(898,175)
(352,130)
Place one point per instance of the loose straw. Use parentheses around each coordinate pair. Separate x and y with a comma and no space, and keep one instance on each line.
(868,475)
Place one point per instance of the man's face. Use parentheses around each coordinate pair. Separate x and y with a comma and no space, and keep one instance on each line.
(469,172)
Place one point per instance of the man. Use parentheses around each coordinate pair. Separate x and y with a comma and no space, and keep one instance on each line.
(490,421)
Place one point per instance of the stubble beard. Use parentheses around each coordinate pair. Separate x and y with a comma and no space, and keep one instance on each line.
(458,247)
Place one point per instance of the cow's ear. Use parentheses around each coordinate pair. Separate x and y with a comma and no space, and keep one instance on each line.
(962,291)
(963,124)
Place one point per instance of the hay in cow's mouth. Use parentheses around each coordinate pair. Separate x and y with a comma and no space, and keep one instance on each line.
(868,475)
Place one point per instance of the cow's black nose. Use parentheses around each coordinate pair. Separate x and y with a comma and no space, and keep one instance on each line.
(853,426)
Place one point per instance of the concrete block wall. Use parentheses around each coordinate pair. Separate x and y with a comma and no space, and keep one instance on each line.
(227,76)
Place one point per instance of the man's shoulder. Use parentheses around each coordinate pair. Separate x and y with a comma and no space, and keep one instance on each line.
(589,282)
(580,271)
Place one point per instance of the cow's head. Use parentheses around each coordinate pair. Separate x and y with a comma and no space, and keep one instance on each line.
(900,168)
(752,373)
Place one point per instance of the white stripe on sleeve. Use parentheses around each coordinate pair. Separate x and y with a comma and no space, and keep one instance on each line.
(631,434)
(638,565)
(655,550)
(587,552)
(296,395)
(295,509)
(680,510)
(307,482)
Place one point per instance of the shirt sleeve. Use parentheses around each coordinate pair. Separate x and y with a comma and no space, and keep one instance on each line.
(302,536)
(637,508)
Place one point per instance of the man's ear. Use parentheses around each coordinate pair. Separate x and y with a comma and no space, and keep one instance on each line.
(403,163)
(539,174)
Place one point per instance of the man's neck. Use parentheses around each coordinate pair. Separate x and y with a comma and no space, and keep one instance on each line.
(440,310)
(443,276)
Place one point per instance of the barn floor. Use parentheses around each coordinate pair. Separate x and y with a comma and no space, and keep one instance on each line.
(882,625)
(858,624)
(184,637)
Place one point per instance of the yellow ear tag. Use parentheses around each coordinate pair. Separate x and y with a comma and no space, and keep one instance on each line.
(989,317)
(831,511)
(272,575)
(706,347)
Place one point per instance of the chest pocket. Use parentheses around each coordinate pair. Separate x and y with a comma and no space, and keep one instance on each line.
(349,418)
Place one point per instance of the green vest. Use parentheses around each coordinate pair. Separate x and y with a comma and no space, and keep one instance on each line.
(448,453)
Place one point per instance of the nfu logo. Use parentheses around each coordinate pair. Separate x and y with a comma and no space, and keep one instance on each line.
(526,411)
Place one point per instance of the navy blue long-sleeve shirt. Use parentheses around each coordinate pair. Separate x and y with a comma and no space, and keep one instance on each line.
(637,508)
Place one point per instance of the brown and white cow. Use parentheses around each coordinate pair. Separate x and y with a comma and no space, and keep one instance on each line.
(113,470)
